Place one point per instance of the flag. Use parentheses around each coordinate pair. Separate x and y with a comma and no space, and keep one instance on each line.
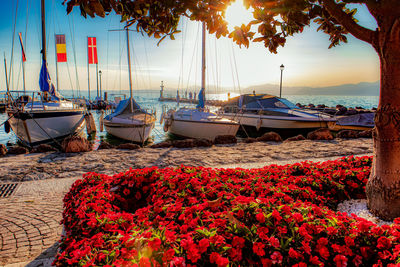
(22,47)
(92,50)
(61,48)
(201,99)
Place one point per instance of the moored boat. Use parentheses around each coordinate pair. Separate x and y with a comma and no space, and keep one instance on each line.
(260,113)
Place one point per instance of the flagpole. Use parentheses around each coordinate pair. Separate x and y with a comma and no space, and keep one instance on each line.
(88,79)
(97,78)
(55,50)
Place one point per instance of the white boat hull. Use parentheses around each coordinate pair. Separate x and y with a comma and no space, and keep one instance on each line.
(34,128)
(202,130)
(131,132)
(270,122)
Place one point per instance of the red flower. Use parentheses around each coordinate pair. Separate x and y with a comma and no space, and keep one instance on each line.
(324,252)
(276,258)
(340,260)
(258,249)
(155,244)
(238,242)
(203,245)
(126,191)
(274,242)
(260,217)
(384,243)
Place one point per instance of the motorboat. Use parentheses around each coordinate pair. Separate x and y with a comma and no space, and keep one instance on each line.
(199,122)
(260,113)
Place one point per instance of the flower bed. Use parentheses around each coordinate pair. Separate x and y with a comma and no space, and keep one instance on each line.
(277,215)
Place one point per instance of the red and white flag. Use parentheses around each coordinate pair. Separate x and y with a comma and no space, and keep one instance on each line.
(92,50)
(22,47)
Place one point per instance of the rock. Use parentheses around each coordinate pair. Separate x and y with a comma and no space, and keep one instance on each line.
(296,138)
(271,136)
(203,143)
(320,134)
(3,150)
(76,144)
(43,148)
(165,144)
(311,105)
(128,146)
(249,140)
(225,139)
(18,150)
(365,134)
(341,110)
(105,145)
(349,134)
(187,143)
(321,106)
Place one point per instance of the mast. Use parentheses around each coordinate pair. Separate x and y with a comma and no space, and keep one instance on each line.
(43,31)
(203,55)
(5,72)
(128,51)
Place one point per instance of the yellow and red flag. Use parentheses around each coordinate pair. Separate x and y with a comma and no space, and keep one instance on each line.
(92,50)
(22,47)
(61,48)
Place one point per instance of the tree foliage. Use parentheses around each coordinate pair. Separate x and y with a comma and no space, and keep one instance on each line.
(274,20)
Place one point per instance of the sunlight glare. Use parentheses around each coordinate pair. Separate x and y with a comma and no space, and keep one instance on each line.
(237,14)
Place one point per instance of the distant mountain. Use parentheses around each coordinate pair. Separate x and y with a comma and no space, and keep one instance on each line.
(360,89)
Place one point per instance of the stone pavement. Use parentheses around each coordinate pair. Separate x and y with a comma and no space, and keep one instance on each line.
(30,222)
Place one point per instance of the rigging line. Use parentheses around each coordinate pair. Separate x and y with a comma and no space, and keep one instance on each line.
(193,56)
(182,52)
(72,32)
(237,74)
(147,63)
(216,66)
(233,76)
(12,47)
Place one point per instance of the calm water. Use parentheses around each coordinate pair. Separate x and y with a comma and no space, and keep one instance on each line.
(149,100)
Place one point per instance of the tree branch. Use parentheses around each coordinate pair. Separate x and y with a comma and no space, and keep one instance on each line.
(348,23)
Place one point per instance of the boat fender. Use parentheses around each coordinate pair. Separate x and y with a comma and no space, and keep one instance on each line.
(162,118)
(166,127)
(259,122)
(7,127)
(101,121)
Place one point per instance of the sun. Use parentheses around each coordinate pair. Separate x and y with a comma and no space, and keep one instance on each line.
(237,14)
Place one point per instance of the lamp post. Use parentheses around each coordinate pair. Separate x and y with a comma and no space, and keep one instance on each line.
(100,84)
(280,87)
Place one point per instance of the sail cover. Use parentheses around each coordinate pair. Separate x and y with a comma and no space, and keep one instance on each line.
(123,107)
(45,81)
(201,99)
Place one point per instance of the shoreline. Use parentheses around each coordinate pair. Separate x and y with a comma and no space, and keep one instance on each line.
(56,165)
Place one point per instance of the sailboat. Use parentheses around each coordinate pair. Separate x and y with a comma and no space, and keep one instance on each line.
(129,121)
(199,122)
(45,116)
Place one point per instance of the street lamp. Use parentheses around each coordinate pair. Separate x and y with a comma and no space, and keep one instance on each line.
(280,87)
(100,84)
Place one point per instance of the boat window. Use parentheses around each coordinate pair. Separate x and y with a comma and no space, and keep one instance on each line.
(288,104)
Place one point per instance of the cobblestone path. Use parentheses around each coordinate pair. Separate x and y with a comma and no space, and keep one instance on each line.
(30,221)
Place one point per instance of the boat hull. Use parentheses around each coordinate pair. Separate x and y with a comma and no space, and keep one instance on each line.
(34,128)
(255,125)
(202,130)
(131,132)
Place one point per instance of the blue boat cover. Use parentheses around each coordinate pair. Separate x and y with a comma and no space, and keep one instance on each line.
(122,106)
(201,99)
(45,82)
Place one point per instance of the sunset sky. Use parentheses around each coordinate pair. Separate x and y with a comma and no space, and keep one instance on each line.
(307,59)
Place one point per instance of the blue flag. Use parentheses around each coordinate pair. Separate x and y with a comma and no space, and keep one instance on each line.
(45,81)
(201,99)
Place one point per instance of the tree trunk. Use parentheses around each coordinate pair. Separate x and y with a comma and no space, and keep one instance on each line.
(383,187)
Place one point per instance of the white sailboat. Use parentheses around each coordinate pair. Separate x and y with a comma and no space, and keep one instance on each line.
(199,123)
(129,121)
(46,116)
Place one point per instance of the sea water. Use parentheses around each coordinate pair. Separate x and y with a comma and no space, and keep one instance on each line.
(149,101)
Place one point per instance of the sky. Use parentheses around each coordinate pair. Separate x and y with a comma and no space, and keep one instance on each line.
(306,57)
